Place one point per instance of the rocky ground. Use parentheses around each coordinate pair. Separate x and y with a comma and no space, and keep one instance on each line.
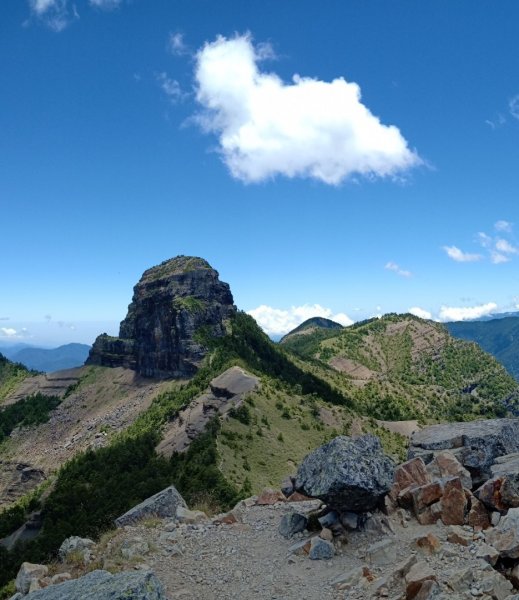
(249,558)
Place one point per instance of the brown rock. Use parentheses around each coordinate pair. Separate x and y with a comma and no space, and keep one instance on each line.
(453,502)
(428,591)
(428,544)
(409,474)
(478,516)
(297,497)
(445,464)
(490,494)
(269,496)
(457,535)
(425,495)
(417,576)
(430,515)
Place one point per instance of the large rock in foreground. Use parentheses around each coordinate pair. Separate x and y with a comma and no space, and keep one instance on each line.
(475,444)
(164,504)
(101,585)
(348,474)
(171,303)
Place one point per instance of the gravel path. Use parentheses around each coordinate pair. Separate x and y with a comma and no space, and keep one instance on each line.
(250,559)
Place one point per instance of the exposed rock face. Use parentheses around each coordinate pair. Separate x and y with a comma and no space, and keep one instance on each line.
(171,302)
(101,585)
(347,474)
(164,504)
(475,444)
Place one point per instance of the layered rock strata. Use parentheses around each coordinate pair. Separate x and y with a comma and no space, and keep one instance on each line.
(174,305)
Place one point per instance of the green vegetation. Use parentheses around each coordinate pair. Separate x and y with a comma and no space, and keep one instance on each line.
(189,303)
(499,337)
(400,367)
(32,410)
(11,374)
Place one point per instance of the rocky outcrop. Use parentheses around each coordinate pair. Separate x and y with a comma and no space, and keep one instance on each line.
(172,303)
(162,505)
(102,585)
(226,392)
(348,474)
(476,444)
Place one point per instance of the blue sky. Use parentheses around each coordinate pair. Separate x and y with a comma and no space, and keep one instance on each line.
(346,154)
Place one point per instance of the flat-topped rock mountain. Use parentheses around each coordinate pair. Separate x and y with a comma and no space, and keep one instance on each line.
(171,303)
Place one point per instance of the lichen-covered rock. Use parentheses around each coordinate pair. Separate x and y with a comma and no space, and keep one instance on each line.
(164,504)
(171,303)
(101,585)
(74,545)
(348,474)
(27,574)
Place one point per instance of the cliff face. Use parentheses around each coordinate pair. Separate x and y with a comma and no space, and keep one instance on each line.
(170,303)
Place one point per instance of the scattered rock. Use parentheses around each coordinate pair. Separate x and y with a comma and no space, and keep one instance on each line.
(292,523)
(382,552)
(417,575)
(270,496)
(348,474)
(321,549)
(27,573)
(505,537)
(163,504)
(80,548)
(101,585)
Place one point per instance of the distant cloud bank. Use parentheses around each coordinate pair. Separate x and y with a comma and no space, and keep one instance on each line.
(307,128)
(275,321)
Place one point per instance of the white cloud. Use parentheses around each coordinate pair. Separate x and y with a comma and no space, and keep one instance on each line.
(391,266)
(459,256)
(308,128)
(503,226)
(176,44)
(484,239)
(8,332)
(497,258)
(513,106)
(505,247)
(56,14)
(275,321)
(170,87)
(420,312)
(465,313)
(105,4)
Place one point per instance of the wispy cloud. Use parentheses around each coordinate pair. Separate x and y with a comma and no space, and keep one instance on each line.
(55,14)
(420,312)
(503,225)
(466,313)
(8,332)
(177,45)
(306,128)
(513,106)
(105,4)
(459,256)
(392,266)
(170,87)
(275,321)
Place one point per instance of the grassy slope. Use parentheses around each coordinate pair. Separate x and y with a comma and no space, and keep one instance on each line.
(401,367)
(11,374)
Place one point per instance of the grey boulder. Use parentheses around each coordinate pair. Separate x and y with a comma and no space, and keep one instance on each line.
(164,504)
(348,474)
(101,585)
(476,444)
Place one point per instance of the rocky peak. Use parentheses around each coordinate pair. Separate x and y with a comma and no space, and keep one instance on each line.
(170,303)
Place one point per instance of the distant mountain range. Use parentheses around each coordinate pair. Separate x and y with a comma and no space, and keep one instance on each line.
(47,359)
(499,337)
